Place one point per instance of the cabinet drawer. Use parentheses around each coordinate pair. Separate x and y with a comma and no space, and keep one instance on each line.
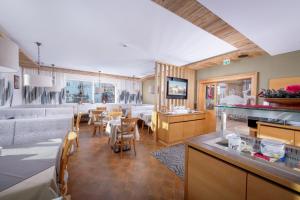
(283,135)
(176,119)
(194,117)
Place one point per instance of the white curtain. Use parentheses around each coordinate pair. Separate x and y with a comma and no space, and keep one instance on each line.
(132,86)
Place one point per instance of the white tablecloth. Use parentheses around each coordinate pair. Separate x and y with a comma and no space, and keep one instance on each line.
(112,128)
(36,180)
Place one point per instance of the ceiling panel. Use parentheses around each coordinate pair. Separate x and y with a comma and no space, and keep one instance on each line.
(91,35)
(270,24)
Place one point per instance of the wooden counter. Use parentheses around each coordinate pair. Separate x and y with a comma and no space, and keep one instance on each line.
(174,128)
(214,173)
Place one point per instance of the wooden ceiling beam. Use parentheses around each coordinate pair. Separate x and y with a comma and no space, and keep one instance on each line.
(199,15)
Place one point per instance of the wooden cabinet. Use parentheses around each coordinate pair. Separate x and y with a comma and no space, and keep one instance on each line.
(173,129)
(175,132)
(210,178)
(259,189)
(297,138)
(280,134)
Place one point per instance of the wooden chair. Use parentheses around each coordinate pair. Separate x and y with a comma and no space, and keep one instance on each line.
(114,115)
(101,108)
(117,109)
(127,133)
(98,121)
(63,173)
(77,127)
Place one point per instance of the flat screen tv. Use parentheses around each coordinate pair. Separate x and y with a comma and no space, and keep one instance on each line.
(176,88)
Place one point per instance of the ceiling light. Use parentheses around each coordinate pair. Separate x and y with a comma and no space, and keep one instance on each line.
(99,89)
(9,56)
(37,80)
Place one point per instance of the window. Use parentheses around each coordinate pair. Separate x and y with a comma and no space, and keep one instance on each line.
(108,95)
(79,91)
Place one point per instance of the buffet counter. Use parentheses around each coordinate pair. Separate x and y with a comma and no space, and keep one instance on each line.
(174,128)
(213,171)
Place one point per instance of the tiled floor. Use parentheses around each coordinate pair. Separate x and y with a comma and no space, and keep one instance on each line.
(95,172)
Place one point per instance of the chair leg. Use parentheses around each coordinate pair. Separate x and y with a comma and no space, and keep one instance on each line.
(77,140)
(108,142)
(94,131)
(121,148)
(143,124)
(134,146)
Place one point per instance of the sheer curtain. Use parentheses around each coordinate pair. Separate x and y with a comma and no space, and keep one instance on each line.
(126,90)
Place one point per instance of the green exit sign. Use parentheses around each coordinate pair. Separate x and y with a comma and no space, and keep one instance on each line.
(226,61)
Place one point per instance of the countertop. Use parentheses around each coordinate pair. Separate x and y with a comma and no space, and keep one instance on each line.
(182,114)
(288,178)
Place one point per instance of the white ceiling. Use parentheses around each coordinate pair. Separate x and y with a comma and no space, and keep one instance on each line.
(271,24)
(89,35)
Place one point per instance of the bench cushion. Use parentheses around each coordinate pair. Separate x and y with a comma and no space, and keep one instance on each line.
(37,130)
(7,128)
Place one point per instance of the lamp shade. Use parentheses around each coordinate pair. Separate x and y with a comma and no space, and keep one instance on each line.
(37,80)
(9,56)
(58,83)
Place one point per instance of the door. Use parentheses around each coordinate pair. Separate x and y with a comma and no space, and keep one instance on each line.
(207,102)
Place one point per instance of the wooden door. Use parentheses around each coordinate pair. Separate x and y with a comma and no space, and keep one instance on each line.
(260,189)
(210,178)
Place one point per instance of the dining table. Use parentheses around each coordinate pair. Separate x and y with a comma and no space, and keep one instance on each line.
(112,128)
(29,171)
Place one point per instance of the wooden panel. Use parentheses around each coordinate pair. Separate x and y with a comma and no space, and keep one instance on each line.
(278,83)
(196,13)
(200,127)
(164,70)
(209,178)
(283,135)
(189,129)
(258,189)
(175,118)
(297,138)
(175,132)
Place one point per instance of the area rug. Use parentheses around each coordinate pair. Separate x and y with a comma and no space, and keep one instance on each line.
(173,158)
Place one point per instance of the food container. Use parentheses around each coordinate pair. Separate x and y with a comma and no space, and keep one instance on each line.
(272,149)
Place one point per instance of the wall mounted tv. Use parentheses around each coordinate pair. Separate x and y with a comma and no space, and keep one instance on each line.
(177,88)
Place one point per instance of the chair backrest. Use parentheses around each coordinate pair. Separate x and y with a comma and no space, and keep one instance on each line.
(128,125)
(101,108)
(117,109)
(115,115)
(66,148)
(78,121)
(97,115)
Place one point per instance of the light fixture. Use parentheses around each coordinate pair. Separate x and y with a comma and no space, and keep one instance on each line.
(99,89)
(37,80)
(57,81)
(9,55)
(134,89)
